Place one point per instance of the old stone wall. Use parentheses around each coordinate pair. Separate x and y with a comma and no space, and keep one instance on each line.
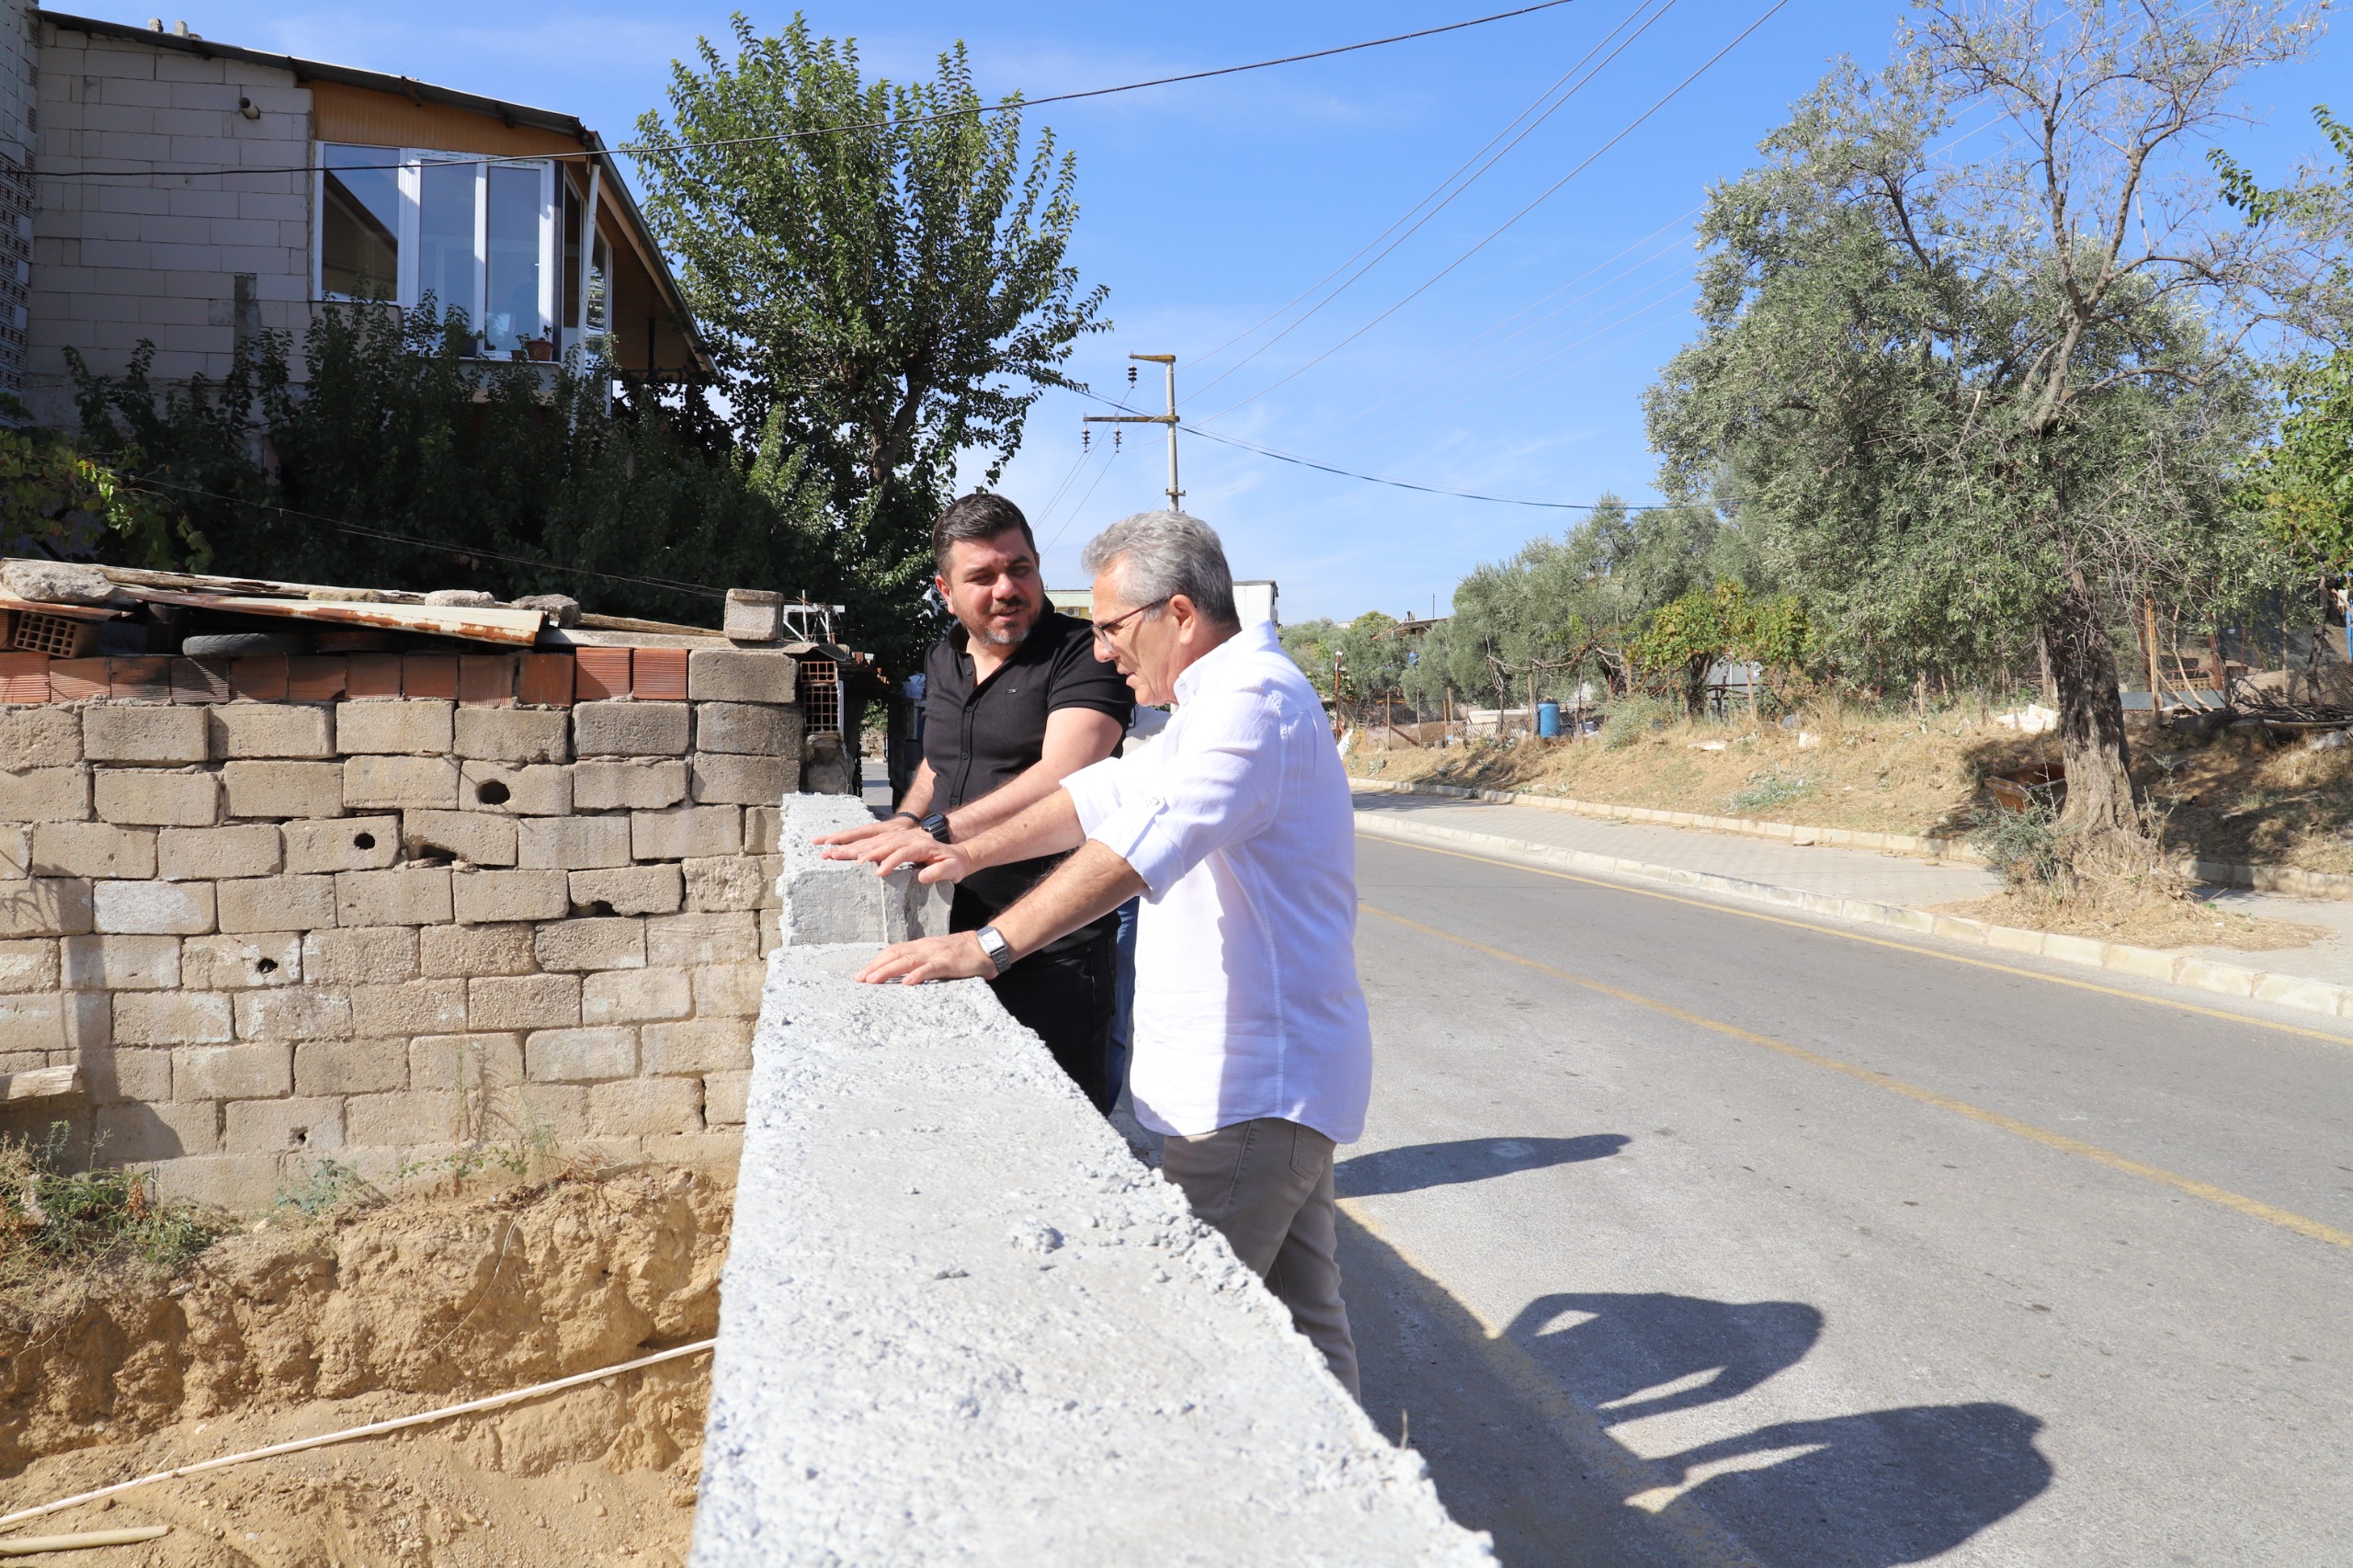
(385,907)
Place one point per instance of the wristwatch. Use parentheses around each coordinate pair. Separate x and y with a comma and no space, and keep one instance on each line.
(936,825)
(999,950)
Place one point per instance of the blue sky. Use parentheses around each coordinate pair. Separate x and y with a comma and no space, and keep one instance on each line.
(1208,206)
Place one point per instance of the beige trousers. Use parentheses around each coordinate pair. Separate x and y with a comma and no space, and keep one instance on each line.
(1265,1185)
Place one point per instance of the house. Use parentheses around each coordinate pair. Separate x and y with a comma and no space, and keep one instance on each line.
(1254,600)
(193,194)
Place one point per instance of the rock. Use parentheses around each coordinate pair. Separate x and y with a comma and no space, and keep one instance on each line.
(562,609)
(462,599)
(61,583)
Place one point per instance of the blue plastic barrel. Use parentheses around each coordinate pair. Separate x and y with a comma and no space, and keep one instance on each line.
(1548,721)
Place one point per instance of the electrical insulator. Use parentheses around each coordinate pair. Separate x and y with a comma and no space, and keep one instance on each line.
(1132,375)
(1115,438)
(1086,437)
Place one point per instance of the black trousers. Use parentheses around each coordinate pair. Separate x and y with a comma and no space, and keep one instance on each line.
(1068,994)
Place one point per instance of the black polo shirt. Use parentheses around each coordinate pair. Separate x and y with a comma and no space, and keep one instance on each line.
(979,736)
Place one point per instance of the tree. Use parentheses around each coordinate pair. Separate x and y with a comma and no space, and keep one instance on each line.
(1371,656)
(882,274)
(1689,636)
(1963,401)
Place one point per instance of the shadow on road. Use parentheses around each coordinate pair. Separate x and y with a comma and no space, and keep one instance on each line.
(1417,1165)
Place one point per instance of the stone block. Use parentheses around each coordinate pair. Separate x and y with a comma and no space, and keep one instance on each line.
(763,829)
(753,615)
(174,1018)
(39,737)
(134,1134)
(641,1106)
(527,1002)
(403,895)
(254,961)
(723,780)
(631,729)
(723,1095)
(211,854)
(382,955)
(729,990)
(33,966)
(142,909)
(284,789)
(698,1045)
(269,729)
(159,736)
(122,963)
(148,798)
(580,1056)
(734,881)
(590,944)
(638,784)
(34,1024)
(92,849)
(481,838)
(444,952)
(350,844)
(540,790)
(635,890)
(686,941)
(402,1121)
(686,831)
(243,1184)
(45,906)
(447,1064)
(387,729)
(481,897)
(45,794)
(260,1127)
(111,1073)
(573,844)
(636,996)
(747,729)
(16,851)
(414,1008)
(294,1012)
(740,674)
(428,783)
(556,1110)
(277,903)
(514,734)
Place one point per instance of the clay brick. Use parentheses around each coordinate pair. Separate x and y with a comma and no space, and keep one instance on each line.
(254,1127)
(45,906)
(506,734)
(200,680)
(122,963)
(169,737)
(446,1064)
(601,674)
(525,1002)
(371,677)
(720,779)
(632,785)
(658,673)
(545,681)
(631,729)
(316,679)
(23,678)
(763,826)
(393,729)
(39,737)
(732,881)
(111,1073)
(636,996)
(698,1045)
(352,844)
(729,990)
(267,729)
(573,844)
(432,675)
(32,966)
(243,1184)
(208,853)
(723,1097)
(444,952)
(747,729)
(284,789)
(419,1006)
(403,895)
(277,903)
(736,675)
(147,798)
(139,680)
(383,955)
(295,1013)
(425,782)
(633,889)
(400,1120)
(687,941)
(45,794)
(261,679)
(590,944)
(539,791)
(92,849)
(158,909)
(486,680)
(80,680)
(252,962)
(686,831)
(175,1018)
(645,1107)
(480,837)
(483,896)
(135,1133)
(579,1056)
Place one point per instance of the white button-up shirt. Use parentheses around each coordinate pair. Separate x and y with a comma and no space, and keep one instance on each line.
(1237,818)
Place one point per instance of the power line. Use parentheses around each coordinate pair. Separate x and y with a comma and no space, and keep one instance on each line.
(1424,488)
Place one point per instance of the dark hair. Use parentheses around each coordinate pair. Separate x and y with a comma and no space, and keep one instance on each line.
(978,516)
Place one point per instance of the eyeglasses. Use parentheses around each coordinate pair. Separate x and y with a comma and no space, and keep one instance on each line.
(1104,629)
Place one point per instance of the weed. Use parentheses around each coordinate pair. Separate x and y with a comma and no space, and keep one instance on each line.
(330,1186)
(1768,788)
(2023,846)
(55,1222)
(1631,717)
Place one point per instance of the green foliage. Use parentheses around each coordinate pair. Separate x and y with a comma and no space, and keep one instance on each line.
(56,1219)
(2024,845)
(56,500)
(1766,789)
(1628,718)
(1685,636)
(330,1186)
(1372,657)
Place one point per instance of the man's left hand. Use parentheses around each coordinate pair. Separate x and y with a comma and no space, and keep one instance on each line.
(896,845)
(955,957)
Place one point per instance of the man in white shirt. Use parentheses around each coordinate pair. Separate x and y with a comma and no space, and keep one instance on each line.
(1252,1051)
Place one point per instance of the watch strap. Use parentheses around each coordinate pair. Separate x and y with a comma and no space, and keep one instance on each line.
(936,825)
(992,943)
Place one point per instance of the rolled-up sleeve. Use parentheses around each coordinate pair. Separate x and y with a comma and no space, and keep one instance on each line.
(1098,789)
(1221,787)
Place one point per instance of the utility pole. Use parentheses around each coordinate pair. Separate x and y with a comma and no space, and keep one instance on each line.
(1175,496)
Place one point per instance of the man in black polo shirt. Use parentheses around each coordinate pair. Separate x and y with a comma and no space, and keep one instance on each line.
(1015,700)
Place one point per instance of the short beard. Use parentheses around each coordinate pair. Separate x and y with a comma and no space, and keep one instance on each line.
(996,639)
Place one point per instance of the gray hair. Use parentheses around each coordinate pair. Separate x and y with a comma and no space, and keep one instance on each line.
(1160,554)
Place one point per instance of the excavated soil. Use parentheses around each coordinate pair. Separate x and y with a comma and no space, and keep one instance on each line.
(407,1305)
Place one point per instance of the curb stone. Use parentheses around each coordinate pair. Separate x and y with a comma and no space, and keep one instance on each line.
(2300,993)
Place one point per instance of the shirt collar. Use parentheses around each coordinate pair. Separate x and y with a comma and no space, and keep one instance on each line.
(1256,637)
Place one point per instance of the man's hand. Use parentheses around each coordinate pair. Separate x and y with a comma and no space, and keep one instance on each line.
(886,846)
(864,831)
(955,957)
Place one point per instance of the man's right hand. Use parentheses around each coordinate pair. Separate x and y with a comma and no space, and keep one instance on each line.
(896,823)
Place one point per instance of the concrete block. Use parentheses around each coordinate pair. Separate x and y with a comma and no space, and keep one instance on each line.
(92,849)
(697,1045)
(151,908)
(763,826)
(754,615)
(243,1184)
(277,903)
(715,1152)
(403,728)
(572,844)
(168,737)
(635,890)
(2147,962)
(33,966)
(687,831)
(39,737)
(211,854)
(172,1017)
(402,1121)
(260,1127)
(630,729)
(717,778)
(580,1056)
(635,996)
(134,1134)
(541,790)
(638,1107)
(447,1064)
(414,1008)
(2305,995)
(2227,979)
(590,944)
(525,1002)
(120,963)
(687,941)
(637,784)
(481,897)
(424,782)
(403,895)
(722,1097)
(514,734)
(45,906)
(481,838)
(253,961)
(294,1012)
(735,881)
(269,729)
(45,794)
(284,789)
(729,990)
(2074,949)
(382,955)
(747,729)
(444,952)
(733,674)
(148,798)
(350,844)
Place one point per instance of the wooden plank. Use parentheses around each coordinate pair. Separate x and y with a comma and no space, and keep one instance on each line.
(193,582)
(517,627)
(41,1083)
(624,623)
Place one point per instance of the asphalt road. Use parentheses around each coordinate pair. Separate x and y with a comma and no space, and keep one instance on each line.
(1684,1233)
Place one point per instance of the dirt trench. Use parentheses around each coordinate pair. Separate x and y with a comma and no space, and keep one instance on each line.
(403,1306)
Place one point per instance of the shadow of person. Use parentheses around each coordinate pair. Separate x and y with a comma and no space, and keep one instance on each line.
(1635,1354)
(1413,1166)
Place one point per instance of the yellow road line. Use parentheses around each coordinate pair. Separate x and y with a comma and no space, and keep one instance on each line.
(2285,1219)
(2095,989)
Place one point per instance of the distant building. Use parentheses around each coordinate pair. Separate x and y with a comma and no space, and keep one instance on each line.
(1254,600)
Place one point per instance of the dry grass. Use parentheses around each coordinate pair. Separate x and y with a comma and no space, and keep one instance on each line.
(2114,887)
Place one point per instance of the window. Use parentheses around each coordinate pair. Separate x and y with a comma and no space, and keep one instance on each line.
(359,223)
